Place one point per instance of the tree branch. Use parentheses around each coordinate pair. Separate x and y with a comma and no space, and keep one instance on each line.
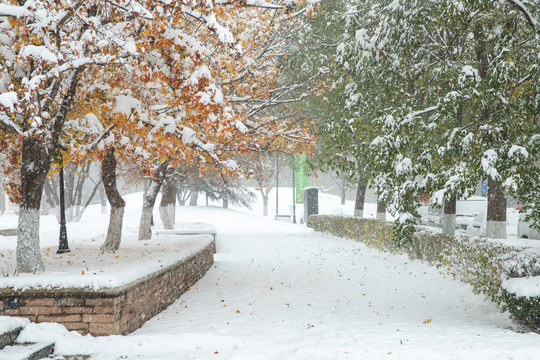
(95,143)
(7,125)
(528,16)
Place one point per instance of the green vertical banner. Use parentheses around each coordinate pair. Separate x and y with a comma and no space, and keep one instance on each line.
(301,177)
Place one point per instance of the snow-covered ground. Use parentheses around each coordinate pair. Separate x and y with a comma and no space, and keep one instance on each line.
(282,291)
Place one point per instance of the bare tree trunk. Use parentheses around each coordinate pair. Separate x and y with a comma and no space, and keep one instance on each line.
(264,195)
(2,195)
(496,211)
(35,165)
(360,199)
(182,196)
(449,217)
(108,175)
(265,203)
(83,209)
(225,203)
(181,201)
(145,230)
(168,199)
(69,189)
(193,198)
(381,211)
(343,191)
(79,191)
(52,198)
(103,198)
(45,207)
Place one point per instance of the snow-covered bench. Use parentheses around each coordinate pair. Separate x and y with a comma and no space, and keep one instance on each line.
(8,232)
(191,228)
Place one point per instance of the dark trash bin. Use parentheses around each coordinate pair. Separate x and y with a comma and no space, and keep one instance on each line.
(311,203)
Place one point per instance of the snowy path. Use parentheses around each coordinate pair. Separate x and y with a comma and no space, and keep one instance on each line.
(281,291)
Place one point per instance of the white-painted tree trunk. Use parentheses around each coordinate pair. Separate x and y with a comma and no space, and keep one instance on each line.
(108,176)
(103,199)
(172,214)
(496,211)
(167,217)
(496,229)
(2,195)
(381,210)
(35,164)
(449,217)
(360,198)
(114,233)
(28,252)
(145,230)
(193,198)
(449,224)
(78,213)
(265,205)
(167,206)
(343,189)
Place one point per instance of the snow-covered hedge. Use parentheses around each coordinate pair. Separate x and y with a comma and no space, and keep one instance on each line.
(521,297)
(491,268)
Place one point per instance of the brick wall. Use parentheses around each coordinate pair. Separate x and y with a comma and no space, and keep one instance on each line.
(109,311)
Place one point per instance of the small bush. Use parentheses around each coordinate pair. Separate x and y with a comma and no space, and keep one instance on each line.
(524,310)
(373,233)
(520,262)
(475,261)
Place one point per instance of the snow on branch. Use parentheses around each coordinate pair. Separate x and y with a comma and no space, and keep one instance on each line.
(39,52)
(530,18)
(422,112)
(135,8)
(224,35)
(252,3)
(190,138)
(14,11)
(279,96)
(8,125)
(96,142)
(9,100)
(305,9)
(274,102)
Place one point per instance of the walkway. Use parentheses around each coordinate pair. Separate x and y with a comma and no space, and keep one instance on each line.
(281,291)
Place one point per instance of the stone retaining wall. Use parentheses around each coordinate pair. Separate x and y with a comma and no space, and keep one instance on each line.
(111,311)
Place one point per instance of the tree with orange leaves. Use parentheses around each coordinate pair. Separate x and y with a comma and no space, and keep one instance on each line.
(204,110)
(48,46)
(186,115)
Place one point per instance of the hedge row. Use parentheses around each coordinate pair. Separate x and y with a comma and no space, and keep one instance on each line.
(480,262)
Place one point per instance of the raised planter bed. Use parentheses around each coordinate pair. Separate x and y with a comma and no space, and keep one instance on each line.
(8,232)
(111,310)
